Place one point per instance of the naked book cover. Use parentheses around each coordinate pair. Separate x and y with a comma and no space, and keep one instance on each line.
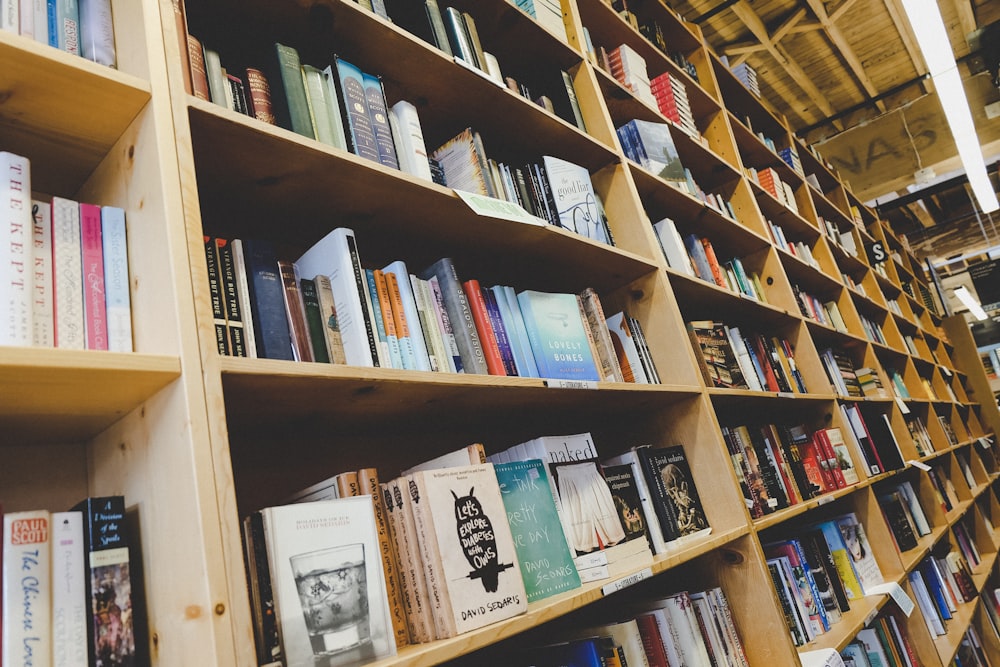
(480,574)
(327,578)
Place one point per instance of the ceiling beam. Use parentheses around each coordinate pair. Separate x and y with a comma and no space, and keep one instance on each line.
(788,24)
(966,16)
(812,26)
(840,11)
(743,48)
(794,70)
(919,211)
(846,51)
(899,19)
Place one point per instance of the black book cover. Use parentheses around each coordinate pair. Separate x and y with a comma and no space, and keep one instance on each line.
(895,515)
(267,301)
(816,549)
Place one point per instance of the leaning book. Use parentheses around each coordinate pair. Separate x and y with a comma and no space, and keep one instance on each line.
(328,585)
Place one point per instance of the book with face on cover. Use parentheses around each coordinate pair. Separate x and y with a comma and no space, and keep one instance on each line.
(462,514)
(328,582)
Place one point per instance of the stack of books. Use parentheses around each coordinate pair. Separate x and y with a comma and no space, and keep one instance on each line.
(791,157)
(64,266)
(730,359)
(747,75)
(629,68)
(548,13)
(672,100)
(769,179)
(83,28)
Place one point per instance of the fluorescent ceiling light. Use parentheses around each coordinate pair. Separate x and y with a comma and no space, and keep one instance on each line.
(925,19)
(970,302)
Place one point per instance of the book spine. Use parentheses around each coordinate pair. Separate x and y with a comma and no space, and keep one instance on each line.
(199,75)
(295,312)
(357,115)
(230,296)
(26,589)
(379,113)
(69,591)
(594,315)
(97,32)
(460,314)
(436,21)
(457,35)
(68,274)
(64,25)
(16,250)
(401,285)
(438,354)
(430,558)
(42,306)
(116,279)
(411,573)
(400,350)
(314,320)
(328,314)
(243,293)
(215,293)
(491,349)
(267,299)
(259,102)
(180,25)
(496,323)
(444,322)
(388,353)
(368,483)
(94,307)
(658,492)
(289,72)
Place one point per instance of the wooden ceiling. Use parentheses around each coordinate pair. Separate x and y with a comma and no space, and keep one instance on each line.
(849,78)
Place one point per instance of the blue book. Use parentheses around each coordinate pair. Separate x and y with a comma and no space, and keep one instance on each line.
(500,331)
(375,96)
(558,339)
(936,588)
(417,343)
(267,297)
(64,25)
(513,324)
(357,115)
(116,282)
(696,251)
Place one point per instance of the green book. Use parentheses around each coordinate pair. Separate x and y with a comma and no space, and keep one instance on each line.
(542,552)
(288,91)
(314,320)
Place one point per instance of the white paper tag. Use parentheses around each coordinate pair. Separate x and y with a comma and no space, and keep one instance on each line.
(823,500)
(920,465)
(625,582)
(896,592)
(946,371)
(491,207)
(825,657)
(772,502)
(902,406)
(571,384)
(985,443)
(785,394)
(749,503)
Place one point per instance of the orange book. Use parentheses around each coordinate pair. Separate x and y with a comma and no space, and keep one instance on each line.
(491,349)
(388,318)
(713,263)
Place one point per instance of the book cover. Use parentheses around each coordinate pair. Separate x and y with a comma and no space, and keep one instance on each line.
(314,320)
(64,25)
(411,139)
(42,305)
(859,550)
(268,301)
(627,498)
(443,279)
(230,291)
(358,126)
(336,256)
(463,170)
(379,113)
(259,104)
(667,469)
(486,335)
(558,340)
(97,35)
(574,197)
(67,267)
(116,279)
(111,623)
(15,251)
(626,349)
(590,518)
(504,342)
(215,295)
(468,523)
(69,591)
(328,581)
(26,589)
(544,557)
(94,307)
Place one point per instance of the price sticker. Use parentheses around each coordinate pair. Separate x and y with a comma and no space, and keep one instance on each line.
(571,384)
(823,500)
(946,371)
(785,394)
(920,465)
(985,443)
(625,582)
(896,592)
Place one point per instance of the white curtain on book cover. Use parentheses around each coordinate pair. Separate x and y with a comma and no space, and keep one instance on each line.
(589,507)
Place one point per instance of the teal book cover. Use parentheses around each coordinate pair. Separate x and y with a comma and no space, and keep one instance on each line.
(558,339)
(546,562)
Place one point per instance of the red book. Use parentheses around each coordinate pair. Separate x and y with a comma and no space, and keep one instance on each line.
(259,96)
(652,644)
(713,263)
(95,312)
(826,447)
(765,362)
(816,453)
(813,467)
(481,316)
(199,76)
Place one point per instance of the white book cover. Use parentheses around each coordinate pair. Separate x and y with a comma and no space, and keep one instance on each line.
(15,251)
(625,348)
(117,294)
(69,591)
(67,267)
(398,269)
(42,306)
(329,591)
(332,99)
(335,256)
(691,645)
(411,136)
(473,454)
(479,569)
(10,16)
(574,197)
(673,246)
(440,358)
(97,32)
(40,30)
(27,589)
(26,18)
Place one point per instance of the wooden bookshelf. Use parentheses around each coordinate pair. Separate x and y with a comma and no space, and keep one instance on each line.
(195,441)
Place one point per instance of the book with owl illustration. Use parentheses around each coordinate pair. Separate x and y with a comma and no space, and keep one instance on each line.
(328,582)
(465,524)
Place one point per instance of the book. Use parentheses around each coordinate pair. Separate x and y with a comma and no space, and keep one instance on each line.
(472,454)
(95,310)
(324,107)
(97,32)
(626,349)
(199,75)
(328,581)
(675,496)
(410,147)
(268,302)
(70,616)
(336,256)
(110,635)
(594,318)
(463,165)
(236,253)
(859,549)
(298,328)
(15,251)
(314,320)
(443,279)
(117,287)
(464,518)
(258,94)
(487,335)
(283,70)
(42,305)
(574,198)
(64,25)
(543,555)
(556,333)
(358,127)
(27,588)
(67,267)
(404,308)
(379,112)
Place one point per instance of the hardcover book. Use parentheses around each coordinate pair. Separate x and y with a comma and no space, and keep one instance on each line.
(557,337)
(464,514)
(288,90)
(111,635)
(574,198)
(377,108)
(267,296)
(544,557)
(116,279)
(329,588)
(357,116)
(676,499)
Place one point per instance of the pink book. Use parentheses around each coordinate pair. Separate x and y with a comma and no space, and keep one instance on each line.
(94,307)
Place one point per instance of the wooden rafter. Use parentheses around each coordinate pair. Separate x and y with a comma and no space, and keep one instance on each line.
(743,48)
(966,17)
(789,23)
(841,10)
(755,24)
(846,51)
(906,34)
(812,26)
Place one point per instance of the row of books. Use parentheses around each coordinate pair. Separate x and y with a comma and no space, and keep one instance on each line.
(920,435)
(779,465)
(80,27)
(798,249)
(66,590)
(843,239)
(769,179)
(65,268)
(696,257)
(940,584)
(970,651)
(819,572)
(905,516)
(885,641)
(826,312)
(728,358)
(873,330)
(846,379)
(685,628)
